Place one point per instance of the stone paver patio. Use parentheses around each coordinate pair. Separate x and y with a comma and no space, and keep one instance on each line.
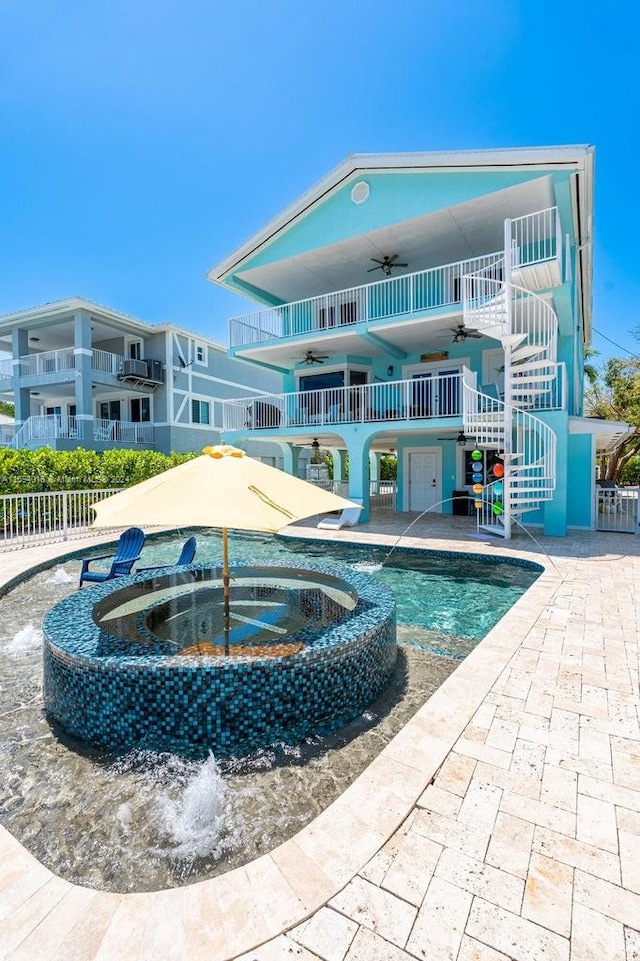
(503,822)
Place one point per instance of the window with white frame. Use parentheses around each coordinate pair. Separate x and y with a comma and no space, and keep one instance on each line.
(200,353)
(200,412)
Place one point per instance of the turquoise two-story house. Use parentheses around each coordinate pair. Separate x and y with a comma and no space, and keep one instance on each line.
(433,305)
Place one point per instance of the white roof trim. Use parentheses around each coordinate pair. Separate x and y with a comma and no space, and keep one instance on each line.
(578,157)
(594,425)
(611,433)
(59,308)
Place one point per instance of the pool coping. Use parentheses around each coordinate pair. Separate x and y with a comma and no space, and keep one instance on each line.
(234,913)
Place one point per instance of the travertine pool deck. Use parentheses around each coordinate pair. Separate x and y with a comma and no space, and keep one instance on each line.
(503,822)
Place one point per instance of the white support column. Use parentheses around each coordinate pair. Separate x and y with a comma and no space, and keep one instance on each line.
(508,384)
(83,355)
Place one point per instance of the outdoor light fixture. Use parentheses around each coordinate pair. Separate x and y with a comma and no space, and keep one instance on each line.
(315,447)
(461,439)
(390,370)
(34,340)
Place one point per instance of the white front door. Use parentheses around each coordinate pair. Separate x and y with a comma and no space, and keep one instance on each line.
(423,483)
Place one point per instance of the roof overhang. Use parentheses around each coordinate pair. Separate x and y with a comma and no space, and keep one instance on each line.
(608,434)
(577,159)
(45,315)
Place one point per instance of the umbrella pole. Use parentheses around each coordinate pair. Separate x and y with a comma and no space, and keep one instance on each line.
(225,586)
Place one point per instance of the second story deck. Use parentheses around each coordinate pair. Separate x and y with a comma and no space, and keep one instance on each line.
(534,243)
(412,399)
(106,367)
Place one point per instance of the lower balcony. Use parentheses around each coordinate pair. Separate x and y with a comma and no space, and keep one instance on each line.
(421,397)
(48,430)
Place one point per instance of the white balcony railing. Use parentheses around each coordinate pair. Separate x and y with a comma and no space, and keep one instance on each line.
(105,363)
(58,361)
(394,297)
(418,398)
(63,426)
(7,433)
(535,238)
(47,362)
(47,427)
(415,399)
(122,431)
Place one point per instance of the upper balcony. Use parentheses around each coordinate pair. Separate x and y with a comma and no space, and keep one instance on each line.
(396,307)
(105,367)
(394,297)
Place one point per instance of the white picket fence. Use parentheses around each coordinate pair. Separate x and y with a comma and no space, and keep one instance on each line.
(617,509)
(28,519)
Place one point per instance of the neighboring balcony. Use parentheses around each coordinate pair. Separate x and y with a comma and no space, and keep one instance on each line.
(63,361)
(401,400)
(534,245)
(7,433)
(40,430)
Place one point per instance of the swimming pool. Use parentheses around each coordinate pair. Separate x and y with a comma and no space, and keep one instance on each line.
(149,821)
(446,602)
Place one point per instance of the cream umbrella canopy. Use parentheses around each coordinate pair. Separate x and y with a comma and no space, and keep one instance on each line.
(222,488)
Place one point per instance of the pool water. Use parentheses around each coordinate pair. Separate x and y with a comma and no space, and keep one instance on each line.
(187,611)
(445,604)
(147,821)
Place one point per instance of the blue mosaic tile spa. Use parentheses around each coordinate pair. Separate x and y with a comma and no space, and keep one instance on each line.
(145,661)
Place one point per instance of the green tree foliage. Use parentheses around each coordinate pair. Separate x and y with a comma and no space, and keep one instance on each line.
(615,395)
(27,471)
(388,467)
(7,408)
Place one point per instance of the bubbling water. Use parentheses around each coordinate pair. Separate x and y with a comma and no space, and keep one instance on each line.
(187,806)
(366,567)
(199,822)
(60,576)
(25,642)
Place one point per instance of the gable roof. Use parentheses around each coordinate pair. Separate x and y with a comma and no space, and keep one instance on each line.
(577,158)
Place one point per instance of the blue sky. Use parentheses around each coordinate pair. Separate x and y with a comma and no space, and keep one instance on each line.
(141,142)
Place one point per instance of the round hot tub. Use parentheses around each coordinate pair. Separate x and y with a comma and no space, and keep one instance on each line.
(156,661)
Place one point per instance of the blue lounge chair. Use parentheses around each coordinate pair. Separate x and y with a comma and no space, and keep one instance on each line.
(127,553)
(186,557)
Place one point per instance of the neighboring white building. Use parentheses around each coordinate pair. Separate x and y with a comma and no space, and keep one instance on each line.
(82,375)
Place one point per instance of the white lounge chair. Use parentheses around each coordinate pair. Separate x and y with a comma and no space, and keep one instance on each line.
(349,517)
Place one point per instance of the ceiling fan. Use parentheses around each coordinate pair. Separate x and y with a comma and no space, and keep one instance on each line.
(387,264)
(460,333)
(311,357)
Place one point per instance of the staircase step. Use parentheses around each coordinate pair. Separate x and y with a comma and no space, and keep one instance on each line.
(512,340)
(524,353)
(533,365)
(490,529)
(529,391)
(490,330)
(531,377)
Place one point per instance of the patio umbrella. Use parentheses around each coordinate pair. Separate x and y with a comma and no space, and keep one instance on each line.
(222,488)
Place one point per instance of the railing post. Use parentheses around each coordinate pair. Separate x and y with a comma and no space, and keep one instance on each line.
(65,517)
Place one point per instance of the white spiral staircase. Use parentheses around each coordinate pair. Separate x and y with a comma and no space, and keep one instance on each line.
(526,325)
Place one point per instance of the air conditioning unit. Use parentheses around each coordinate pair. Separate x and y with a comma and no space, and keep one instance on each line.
(155,370)
(135,368)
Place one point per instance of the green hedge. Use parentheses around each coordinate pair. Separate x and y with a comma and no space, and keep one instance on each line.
(45,469)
